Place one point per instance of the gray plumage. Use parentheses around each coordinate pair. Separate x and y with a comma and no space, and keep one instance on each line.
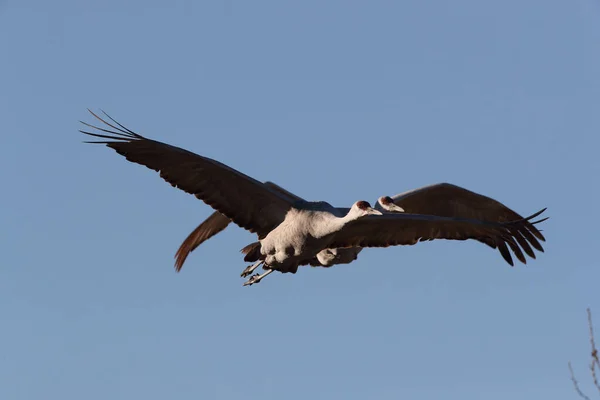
(292,231)
(217,222)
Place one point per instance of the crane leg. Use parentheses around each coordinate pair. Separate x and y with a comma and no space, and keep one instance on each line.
(257,278)
(251,268)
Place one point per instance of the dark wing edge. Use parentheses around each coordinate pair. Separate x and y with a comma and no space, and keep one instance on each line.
(195,175)
(409,229)
(283,191)
(449,200)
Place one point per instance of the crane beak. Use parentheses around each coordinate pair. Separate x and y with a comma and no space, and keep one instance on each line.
(374,211)
(395,208)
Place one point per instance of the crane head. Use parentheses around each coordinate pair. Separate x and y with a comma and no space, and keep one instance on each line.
(364,208)
(387,203)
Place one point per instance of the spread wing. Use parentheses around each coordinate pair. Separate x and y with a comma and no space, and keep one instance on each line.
(280,190)
(246,201)
(213,225)
(409,229)
(447,200)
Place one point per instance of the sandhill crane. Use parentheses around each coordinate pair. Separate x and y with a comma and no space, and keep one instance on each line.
(217,222)
(441,199)
(292,231)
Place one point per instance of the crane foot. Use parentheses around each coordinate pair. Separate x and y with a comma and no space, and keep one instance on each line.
(249,270)
(257,278)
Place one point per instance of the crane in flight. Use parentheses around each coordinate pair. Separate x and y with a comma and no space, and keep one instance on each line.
(441,199)
(291,231)
(217,222)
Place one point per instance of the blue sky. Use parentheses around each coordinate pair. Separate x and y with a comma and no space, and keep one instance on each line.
(336,101)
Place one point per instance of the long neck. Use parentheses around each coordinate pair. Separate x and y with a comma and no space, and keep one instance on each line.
(339,222)
(334,224)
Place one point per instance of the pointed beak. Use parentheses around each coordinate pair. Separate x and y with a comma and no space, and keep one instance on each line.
(395,208)
(374,211)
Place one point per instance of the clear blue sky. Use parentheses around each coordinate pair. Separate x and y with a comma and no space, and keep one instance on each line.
(336,101)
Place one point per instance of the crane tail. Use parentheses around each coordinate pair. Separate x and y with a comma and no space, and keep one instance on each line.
(252,252)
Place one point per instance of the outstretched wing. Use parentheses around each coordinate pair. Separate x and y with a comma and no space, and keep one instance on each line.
(409,229)
(448,200)
(246,201)
(213,225)
(292,197)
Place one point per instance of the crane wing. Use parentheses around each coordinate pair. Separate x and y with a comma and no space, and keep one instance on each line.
(284,192)
(409,229)
(448,200)
(213,225)
(246,201)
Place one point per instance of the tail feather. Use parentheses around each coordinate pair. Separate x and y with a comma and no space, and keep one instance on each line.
(207,229)
(252,252)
